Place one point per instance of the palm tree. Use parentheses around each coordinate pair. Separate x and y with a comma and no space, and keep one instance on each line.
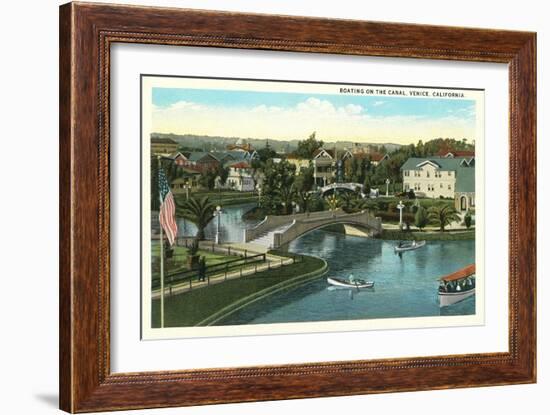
(443,215)
(332,202)
(347,199)
(358,204)
(421,218)
(198,211)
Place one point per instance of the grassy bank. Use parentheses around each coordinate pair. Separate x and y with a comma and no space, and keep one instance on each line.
(224,198)
(178,262)
(190,308)
(428,236)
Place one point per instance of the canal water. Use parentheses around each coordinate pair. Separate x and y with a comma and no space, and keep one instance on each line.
(232,225)
(405,286)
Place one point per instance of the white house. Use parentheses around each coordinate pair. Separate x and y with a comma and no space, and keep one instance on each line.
(241,177)
(448,177)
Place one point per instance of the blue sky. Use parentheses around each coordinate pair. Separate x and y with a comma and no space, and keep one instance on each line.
(290,115)
(376,105)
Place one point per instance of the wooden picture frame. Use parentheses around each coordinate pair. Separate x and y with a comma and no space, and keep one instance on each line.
(86,33)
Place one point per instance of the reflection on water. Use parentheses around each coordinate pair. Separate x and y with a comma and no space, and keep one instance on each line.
(404,287)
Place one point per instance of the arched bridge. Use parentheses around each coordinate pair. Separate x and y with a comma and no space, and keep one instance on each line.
(350,187)
(276,231)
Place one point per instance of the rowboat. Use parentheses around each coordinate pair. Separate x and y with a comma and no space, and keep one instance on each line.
(409,246)
(340,282)
(457,286)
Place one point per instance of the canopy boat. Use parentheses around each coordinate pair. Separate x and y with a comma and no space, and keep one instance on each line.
(457,286)
(341,282)
(409,246)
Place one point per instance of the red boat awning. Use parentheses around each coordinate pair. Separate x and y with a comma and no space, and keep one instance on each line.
(460,274)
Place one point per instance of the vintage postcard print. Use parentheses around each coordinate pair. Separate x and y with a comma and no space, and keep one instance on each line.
(275,207)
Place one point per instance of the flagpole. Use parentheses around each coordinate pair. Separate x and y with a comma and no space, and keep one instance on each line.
(161,267)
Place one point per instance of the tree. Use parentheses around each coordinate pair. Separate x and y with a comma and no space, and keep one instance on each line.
(303,198)
(303,183)
(306,148)
(442,215)
(421,218)
(468,220)
(208,179)
(155,196)
(199,211)
(266,153)
(223,174)
(346,201)
(286,197)
(277,176)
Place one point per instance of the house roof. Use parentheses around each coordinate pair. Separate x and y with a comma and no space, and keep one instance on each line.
(444,163)
(465,180)
(175,155)
(238,164)
(321,150)
(455,153)
(465,174)
(378,156)
(199,155)
(162,140)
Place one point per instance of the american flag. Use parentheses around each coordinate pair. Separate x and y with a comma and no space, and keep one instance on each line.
(167,209)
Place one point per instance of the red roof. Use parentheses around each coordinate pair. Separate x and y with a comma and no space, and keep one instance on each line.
(377,156)
(240,165)
(460,274)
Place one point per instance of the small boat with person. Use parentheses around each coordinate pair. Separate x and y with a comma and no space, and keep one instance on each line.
(410,246)
(350,283)
(457,286)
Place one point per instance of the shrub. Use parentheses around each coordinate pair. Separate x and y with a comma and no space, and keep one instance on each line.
(468,220)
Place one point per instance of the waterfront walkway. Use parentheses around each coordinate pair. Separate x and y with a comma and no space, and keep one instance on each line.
(271,262)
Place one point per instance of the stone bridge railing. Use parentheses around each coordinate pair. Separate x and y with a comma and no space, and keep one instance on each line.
(275,221)
(348,186)
(363,219)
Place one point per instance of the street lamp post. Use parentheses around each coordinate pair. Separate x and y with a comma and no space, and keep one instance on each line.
(218,214)
(400,206)
(186,187)
(387,187)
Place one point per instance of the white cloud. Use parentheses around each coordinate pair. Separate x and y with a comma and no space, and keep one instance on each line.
(378,103)
(350,122)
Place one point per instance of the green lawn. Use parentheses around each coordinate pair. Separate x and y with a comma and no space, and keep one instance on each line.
(178,262)
(189,308)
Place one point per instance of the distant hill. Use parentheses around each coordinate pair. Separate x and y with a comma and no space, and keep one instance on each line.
(207,143)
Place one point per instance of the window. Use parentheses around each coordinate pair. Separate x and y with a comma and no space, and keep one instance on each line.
(427,173)
(406,173)
(441,185)
(449,187)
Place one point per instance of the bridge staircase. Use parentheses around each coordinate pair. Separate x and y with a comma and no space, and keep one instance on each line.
(267,238)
